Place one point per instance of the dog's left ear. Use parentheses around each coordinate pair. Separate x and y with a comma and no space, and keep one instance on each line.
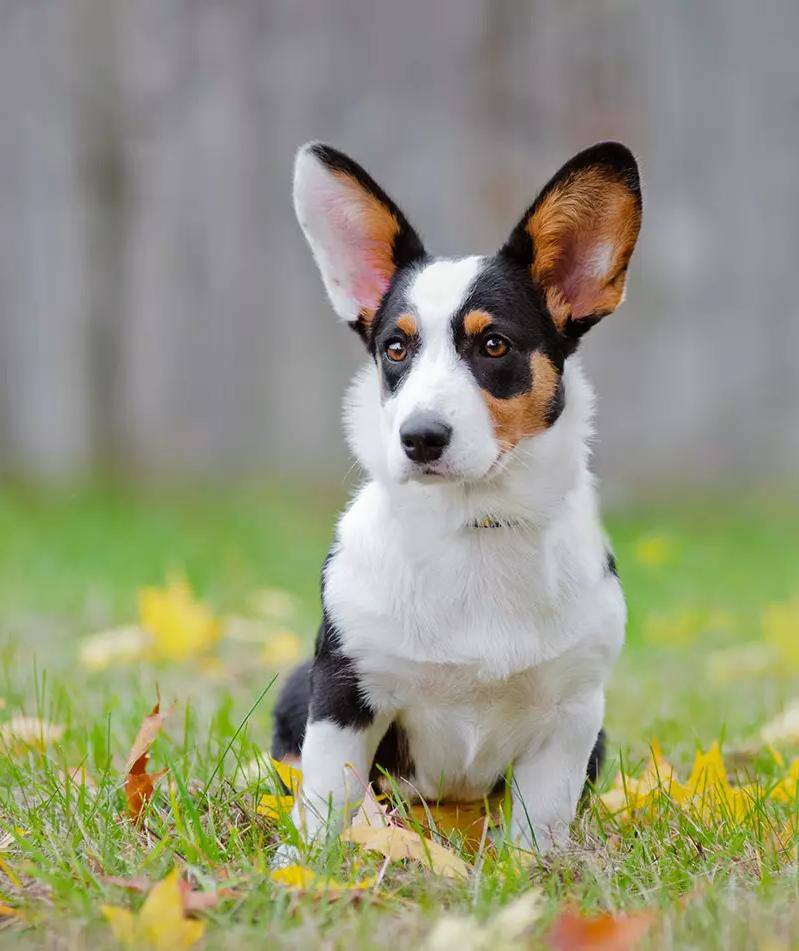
(578,236)
(358,236)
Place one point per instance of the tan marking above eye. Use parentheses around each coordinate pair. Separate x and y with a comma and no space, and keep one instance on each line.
(407,324)
(525,414)
(476,321)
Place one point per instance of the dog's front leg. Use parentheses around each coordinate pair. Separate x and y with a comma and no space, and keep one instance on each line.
(336,761)
(549,777)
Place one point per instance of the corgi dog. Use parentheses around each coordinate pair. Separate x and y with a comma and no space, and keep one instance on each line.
(471,607)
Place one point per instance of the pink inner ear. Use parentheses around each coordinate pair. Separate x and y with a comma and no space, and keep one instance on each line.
(583,274)
(359,259)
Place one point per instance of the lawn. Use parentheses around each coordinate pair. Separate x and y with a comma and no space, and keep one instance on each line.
(712,655)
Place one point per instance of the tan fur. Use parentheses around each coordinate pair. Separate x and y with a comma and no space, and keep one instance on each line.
(525,414)
(476,321)
(407,324)
(381,227)
(578,218)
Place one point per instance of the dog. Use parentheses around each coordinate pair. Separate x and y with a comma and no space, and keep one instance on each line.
(472,611)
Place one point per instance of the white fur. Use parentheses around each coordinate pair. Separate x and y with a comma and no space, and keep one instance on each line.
(490,646)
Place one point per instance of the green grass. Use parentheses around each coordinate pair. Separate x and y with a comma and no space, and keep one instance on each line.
(697,578)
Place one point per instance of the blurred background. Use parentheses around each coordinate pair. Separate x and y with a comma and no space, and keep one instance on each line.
(161,316)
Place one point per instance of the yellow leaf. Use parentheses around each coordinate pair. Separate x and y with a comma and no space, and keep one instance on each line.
(282,649)
(399,844)
(273,807)
(293,876)
(119,645)
(180,625)
(289,775)
(161,923)
(299,878)
(21,733)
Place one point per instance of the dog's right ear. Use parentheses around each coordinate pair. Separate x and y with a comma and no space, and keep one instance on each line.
(358,236)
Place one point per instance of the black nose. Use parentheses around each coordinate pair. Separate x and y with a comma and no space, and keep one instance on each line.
(424,437)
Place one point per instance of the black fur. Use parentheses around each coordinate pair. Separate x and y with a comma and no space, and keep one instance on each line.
(335,691)
(610,564)
(597,758)
(291,712)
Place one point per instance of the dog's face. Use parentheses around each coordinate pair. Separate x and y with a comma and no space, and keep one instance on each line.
(470,353)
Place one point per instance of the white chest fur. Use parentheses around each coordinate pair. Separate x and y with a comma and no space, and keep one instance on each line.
(471,637)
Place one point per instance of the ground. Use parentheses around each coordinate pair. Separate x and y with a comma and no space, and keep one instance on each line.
(712,591)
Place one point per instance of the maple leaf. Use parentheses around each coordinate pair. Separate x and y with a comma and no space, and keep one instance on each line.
(573,932)
(274,806)
(398,844)
(301,879)
(22,733)
(139,784)
(180,625)
(160,924)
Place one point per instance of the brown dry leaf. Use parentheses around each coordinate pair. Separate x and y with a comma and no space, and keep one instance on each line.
(467,818)
(398,844)
(139,784)
(573,932)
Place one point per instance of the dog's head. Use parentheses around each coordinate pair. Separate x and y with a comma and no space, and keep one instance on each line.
(470,353)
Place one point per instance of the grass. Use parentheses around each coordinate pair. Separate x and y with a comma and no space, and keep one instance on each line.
(697,578)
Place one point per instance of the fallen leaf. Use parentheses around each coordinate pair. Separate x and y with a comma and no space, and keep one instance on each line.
(180,625)
(293,876)
(398,844)
(504,931)
(139,784)
(193,900)
(290,776)
(6,911)
(465,818)
(119,645)
(299,878)
(160,924)
(573,932)
(21,733)
(707,794)
(273,807)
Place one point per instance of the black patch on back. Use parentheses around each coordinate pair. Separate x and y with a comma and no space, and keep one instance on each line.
(610,564)
(335,689)
(291,712)
(596,759)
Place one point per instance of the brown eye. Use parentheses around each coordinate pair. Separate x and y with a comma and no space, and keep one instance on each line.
(396,351)
(495,346)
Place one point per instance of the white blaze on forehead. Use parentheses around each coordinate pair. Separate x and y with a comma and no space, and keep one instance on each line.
(441,288)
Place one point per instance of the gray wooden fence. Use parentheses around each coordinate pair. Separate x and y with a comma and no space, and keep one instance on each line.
(159,312)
